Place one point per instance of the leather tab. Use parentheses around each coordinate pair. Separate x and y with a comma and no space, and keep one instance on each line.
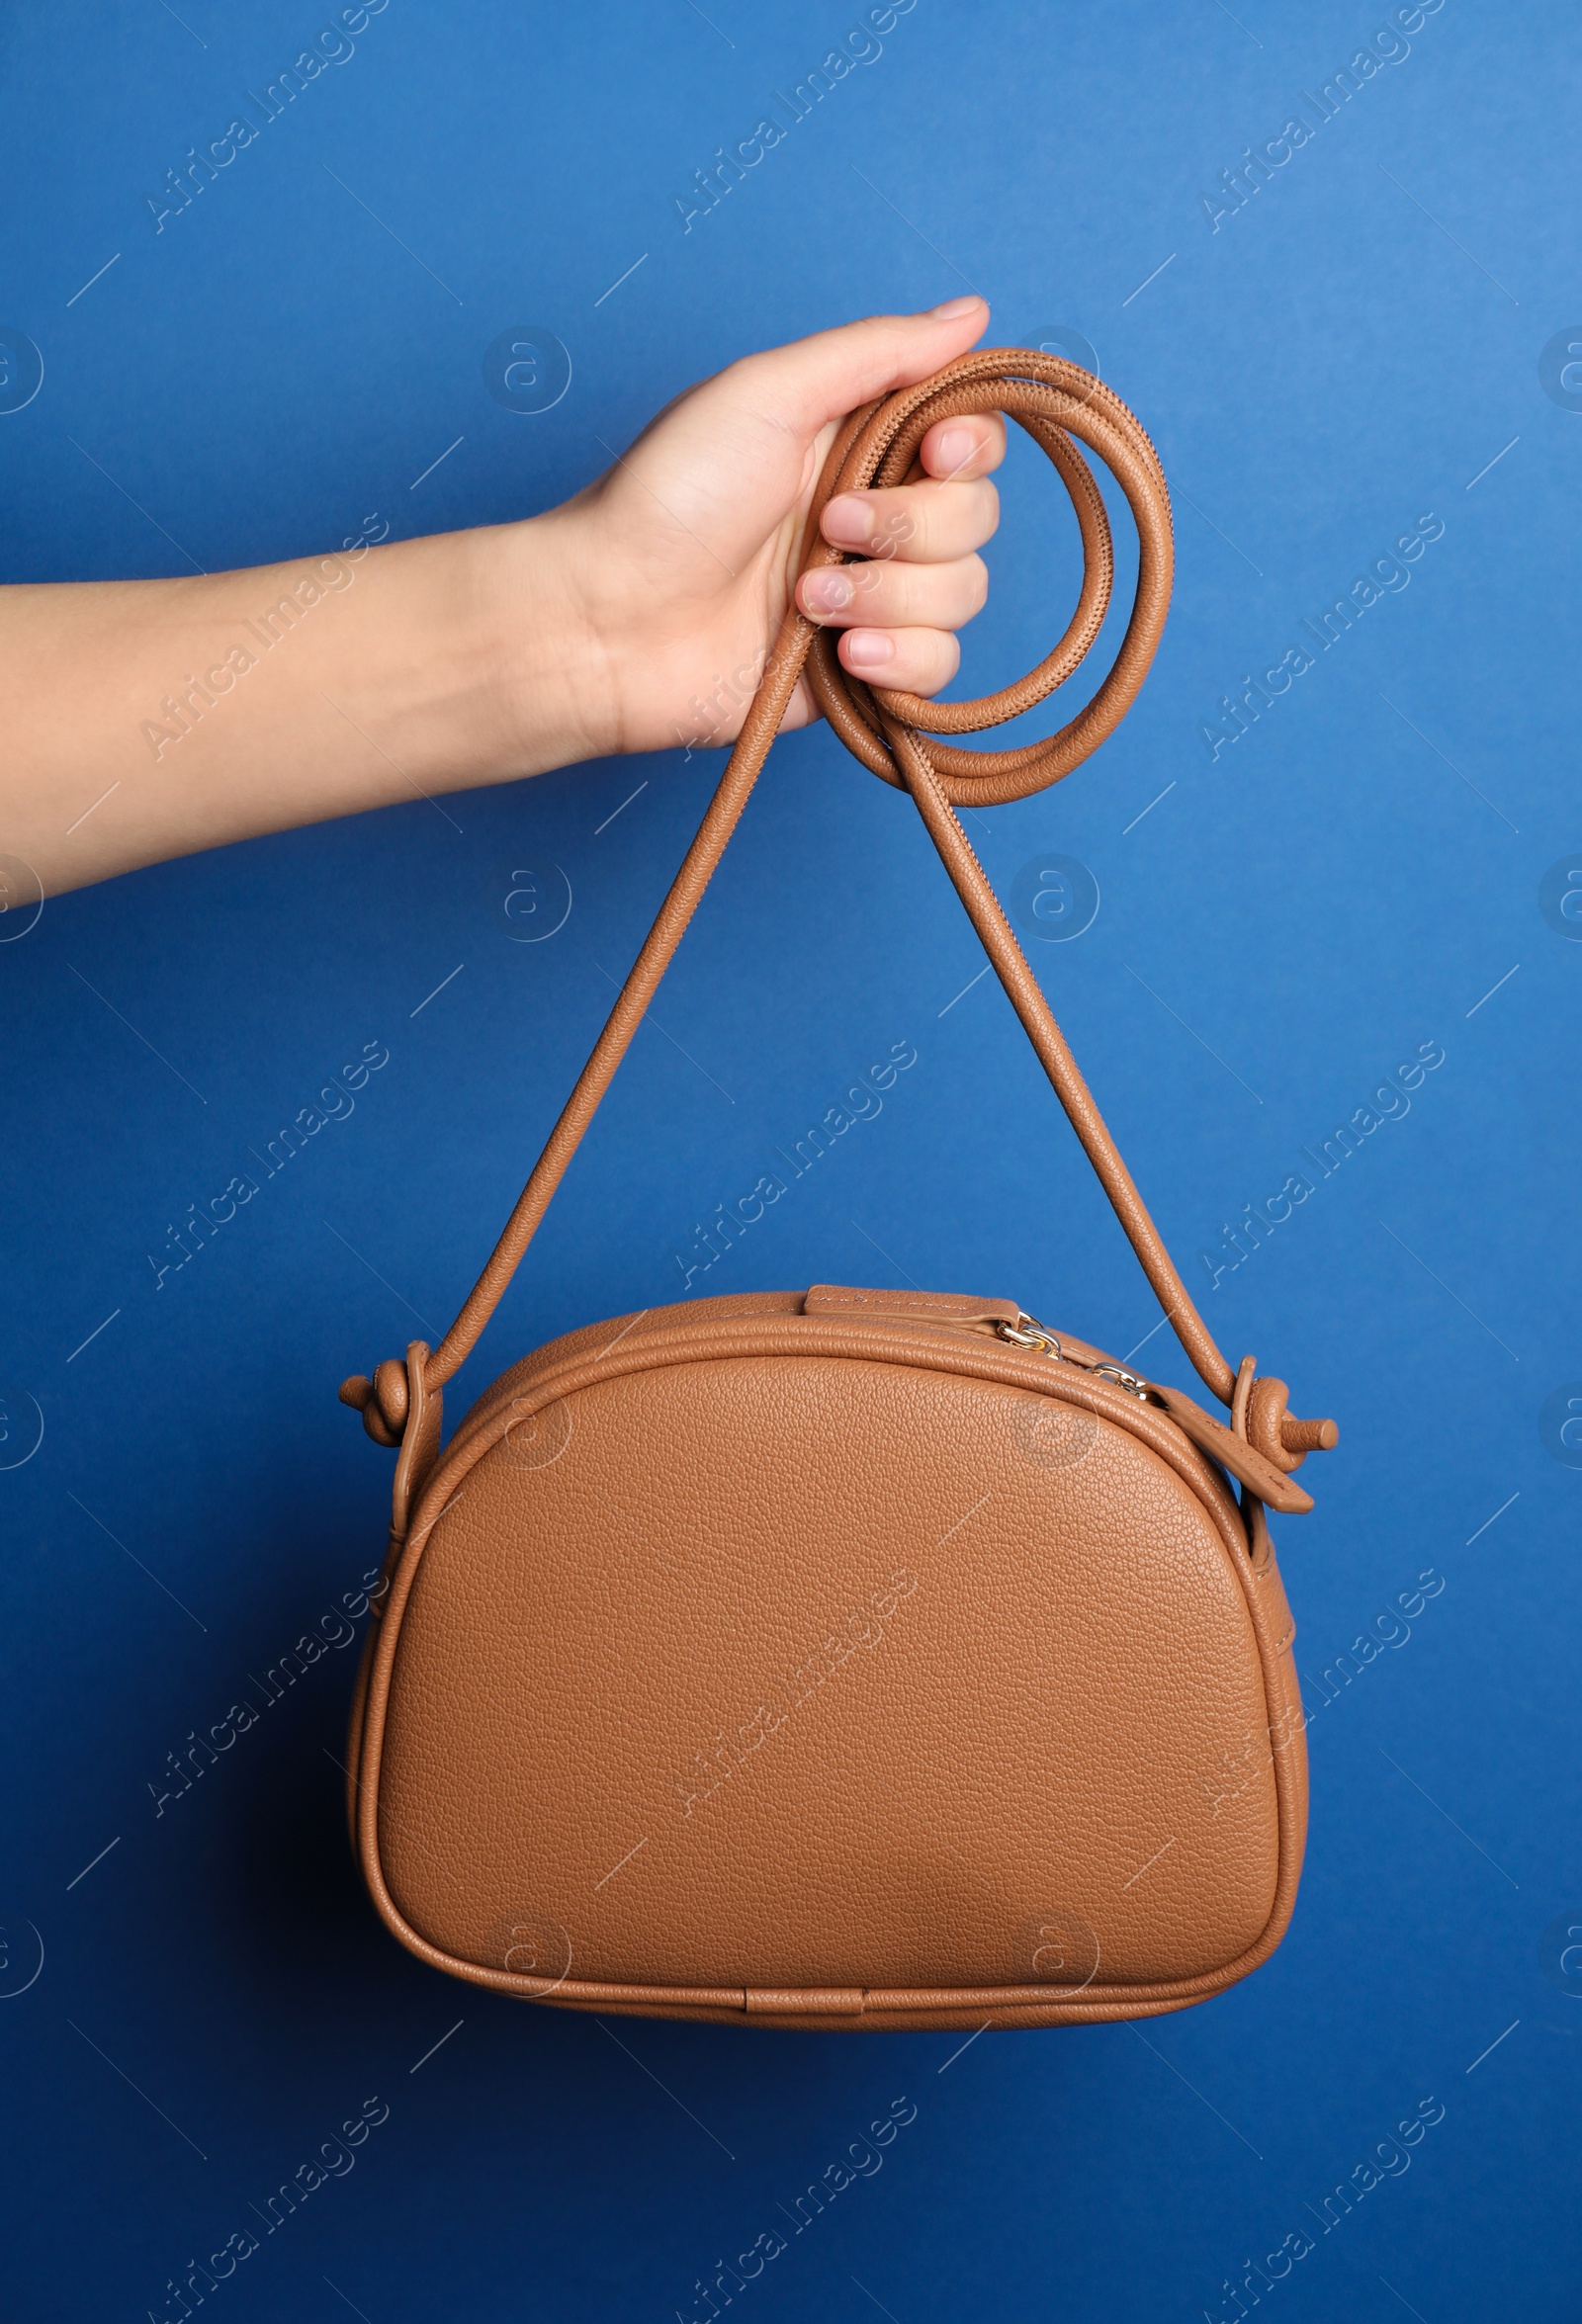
(1233,1452)
(420,1435)
(1272,1590)
(810,2001)
(935,1307)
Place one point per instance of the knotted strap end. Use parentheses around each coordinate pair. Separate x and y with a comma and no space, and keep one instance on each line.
(1277,1434)
(383,1401)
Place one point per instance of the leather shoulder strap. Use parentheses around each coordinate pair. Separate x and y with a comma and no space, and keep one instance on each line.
(1054,402)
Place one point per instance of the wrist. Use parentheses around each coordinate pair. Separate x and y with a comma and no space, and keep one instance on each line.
(551,674)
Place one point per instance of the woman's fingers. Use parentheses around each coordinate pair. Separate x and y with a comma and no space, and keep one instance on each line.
(919,578)
(916,661)
(895,596)
(915,523)
(962,450)
(944,509)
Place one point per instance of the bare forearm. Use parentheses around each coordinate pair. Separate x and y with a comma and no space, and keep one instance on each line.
(151,719)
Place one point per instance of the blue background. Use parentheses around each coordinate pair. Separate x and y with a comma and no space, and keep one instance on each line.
(1347,352)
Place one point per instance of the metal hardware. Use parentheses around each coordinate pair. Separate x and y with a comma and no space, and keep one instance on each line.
(1028,1332)
(1123,1379)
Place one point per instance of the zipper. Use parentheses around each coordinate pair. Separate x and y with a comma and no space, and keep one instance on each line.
(1026,1332)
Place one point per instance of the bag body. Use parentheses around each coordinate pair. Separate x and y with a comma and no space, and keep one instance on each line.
(857,1670)
(847,1657)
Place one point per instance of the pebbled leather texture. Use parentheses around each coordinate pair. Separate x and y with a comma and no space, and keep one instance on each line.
(797,1668)
(847,1658)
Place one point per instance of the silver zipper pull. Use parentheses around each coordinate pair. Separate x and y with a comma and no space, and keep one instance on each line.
(1028,1332)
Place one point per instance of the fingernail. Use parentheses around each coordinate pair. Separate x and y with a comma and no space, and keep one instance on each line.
(848,520)
(869,649)
(952,309)
(826,592)
(954,447)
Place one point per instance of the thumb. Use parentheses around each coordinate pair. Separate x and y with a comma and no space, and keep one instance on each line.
(805,385)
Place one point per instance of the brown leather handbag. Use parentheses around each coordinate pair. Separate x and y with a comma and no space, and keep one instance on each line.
(848,1659)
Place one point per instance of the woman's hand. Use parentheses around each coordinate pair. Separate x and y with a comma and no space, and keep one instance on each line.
(150,718)
(679,560)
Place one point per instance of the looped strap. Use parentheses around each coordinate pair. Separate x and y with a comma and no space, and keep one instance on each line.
(1053,401)
(897,736)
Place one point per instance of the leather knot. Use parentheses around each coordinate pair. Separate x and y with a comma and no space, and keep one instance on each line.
(384,1402)
(1277,1434)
